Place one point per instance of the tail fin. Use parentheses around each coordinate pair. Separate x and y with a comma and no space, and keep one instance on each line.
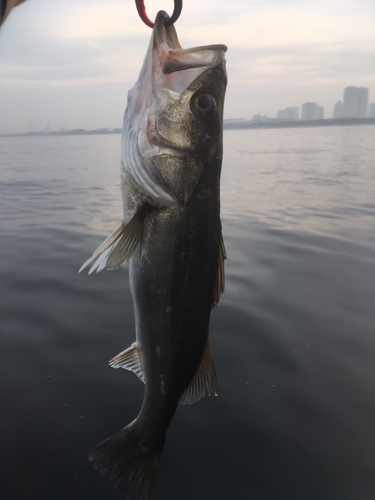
(132,466)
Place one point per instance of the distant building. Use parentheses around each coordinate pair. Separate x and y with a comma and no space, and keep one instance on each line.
(355,102)
(372,110)
(338,110)
(363,102)
(312,111)
(259,118)
(288,113)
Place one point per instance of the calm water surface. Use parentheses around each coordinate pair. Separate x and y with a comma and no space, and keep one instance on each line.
(293,337)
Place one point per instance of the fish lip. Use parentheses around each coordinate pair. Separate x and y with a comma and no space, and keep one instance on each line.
(199,48)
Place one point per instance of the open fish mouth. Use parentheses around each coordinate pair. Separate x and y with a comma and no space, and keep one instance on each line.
(182,66)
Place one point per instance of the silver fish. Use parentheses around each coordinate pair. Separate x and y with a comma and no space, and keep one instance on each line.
(171,234)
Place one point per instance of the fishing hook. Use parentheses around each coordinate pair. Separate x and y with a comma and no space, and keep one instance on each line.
(142,13)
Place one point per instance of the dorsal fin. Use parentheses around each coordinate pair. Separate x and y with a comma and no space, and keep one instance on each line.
(204,381)
(129,360)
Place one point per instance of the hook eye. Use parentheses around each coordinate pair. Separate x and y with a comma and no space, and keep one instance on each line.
(142,13)
(176,13)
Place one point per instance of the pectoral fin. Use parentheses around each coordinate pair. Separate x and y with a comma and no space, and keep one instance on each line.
(129,360)
(118,248)
(220,278)
(204,381)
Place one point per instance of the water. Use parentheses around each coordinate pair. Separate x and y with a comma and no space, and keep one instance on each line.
(293,337)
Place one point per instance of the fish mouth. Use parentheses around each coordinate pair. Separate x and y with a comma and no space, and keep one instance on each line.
(181,66)
(169,35)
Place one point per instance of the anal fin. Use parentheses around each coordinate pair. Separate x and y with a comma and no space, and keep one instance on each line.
(204,381)
(129,360)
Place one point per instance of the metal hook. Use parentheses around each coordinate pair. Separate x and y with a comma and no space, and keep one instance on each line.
(142,13)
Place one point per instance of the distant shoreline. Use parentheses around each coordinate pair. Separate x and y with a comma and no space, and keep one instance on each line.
(77,131)
(275,123)
(227,125)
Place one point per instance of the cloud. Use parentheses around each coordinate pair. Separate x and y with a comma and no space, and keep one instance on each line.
(301,62)
(66,61)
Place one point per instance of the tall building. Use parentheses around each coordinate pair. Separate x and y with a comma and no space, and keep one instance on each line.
(338,110)
(355,102)
(312,111)
(372,110)
(288,113)
(363,102)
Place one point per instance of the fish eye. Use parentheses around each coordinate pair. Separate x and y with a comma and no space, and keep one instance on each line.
(204,104)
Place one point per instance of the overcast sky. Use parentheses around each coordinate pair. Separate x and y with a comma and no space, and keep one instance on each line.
(72,63)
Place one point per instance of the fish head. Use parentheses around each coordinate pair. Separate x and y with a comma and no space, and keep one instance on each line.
(173,121)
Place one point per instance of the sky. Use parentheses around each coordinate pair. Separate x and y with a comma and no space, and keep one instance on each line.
(70,64)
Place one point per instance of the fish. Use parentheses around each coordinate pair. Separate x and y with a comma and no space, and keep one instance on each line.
(171,236)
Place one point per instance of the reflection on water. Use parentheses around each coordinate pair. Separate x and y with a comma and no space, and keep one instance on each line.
(319,180)
(293,337)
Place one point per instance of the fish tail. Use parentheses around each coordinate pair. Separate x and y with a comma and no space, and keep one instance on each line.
(132,465)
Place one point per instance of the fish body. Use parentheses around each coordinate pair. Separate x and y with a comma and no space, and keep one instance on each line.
(170,175)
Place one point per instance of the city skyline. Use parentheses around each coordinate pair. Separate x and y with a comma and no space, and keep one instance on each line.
(75,62)
(309,111)
(355,104)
